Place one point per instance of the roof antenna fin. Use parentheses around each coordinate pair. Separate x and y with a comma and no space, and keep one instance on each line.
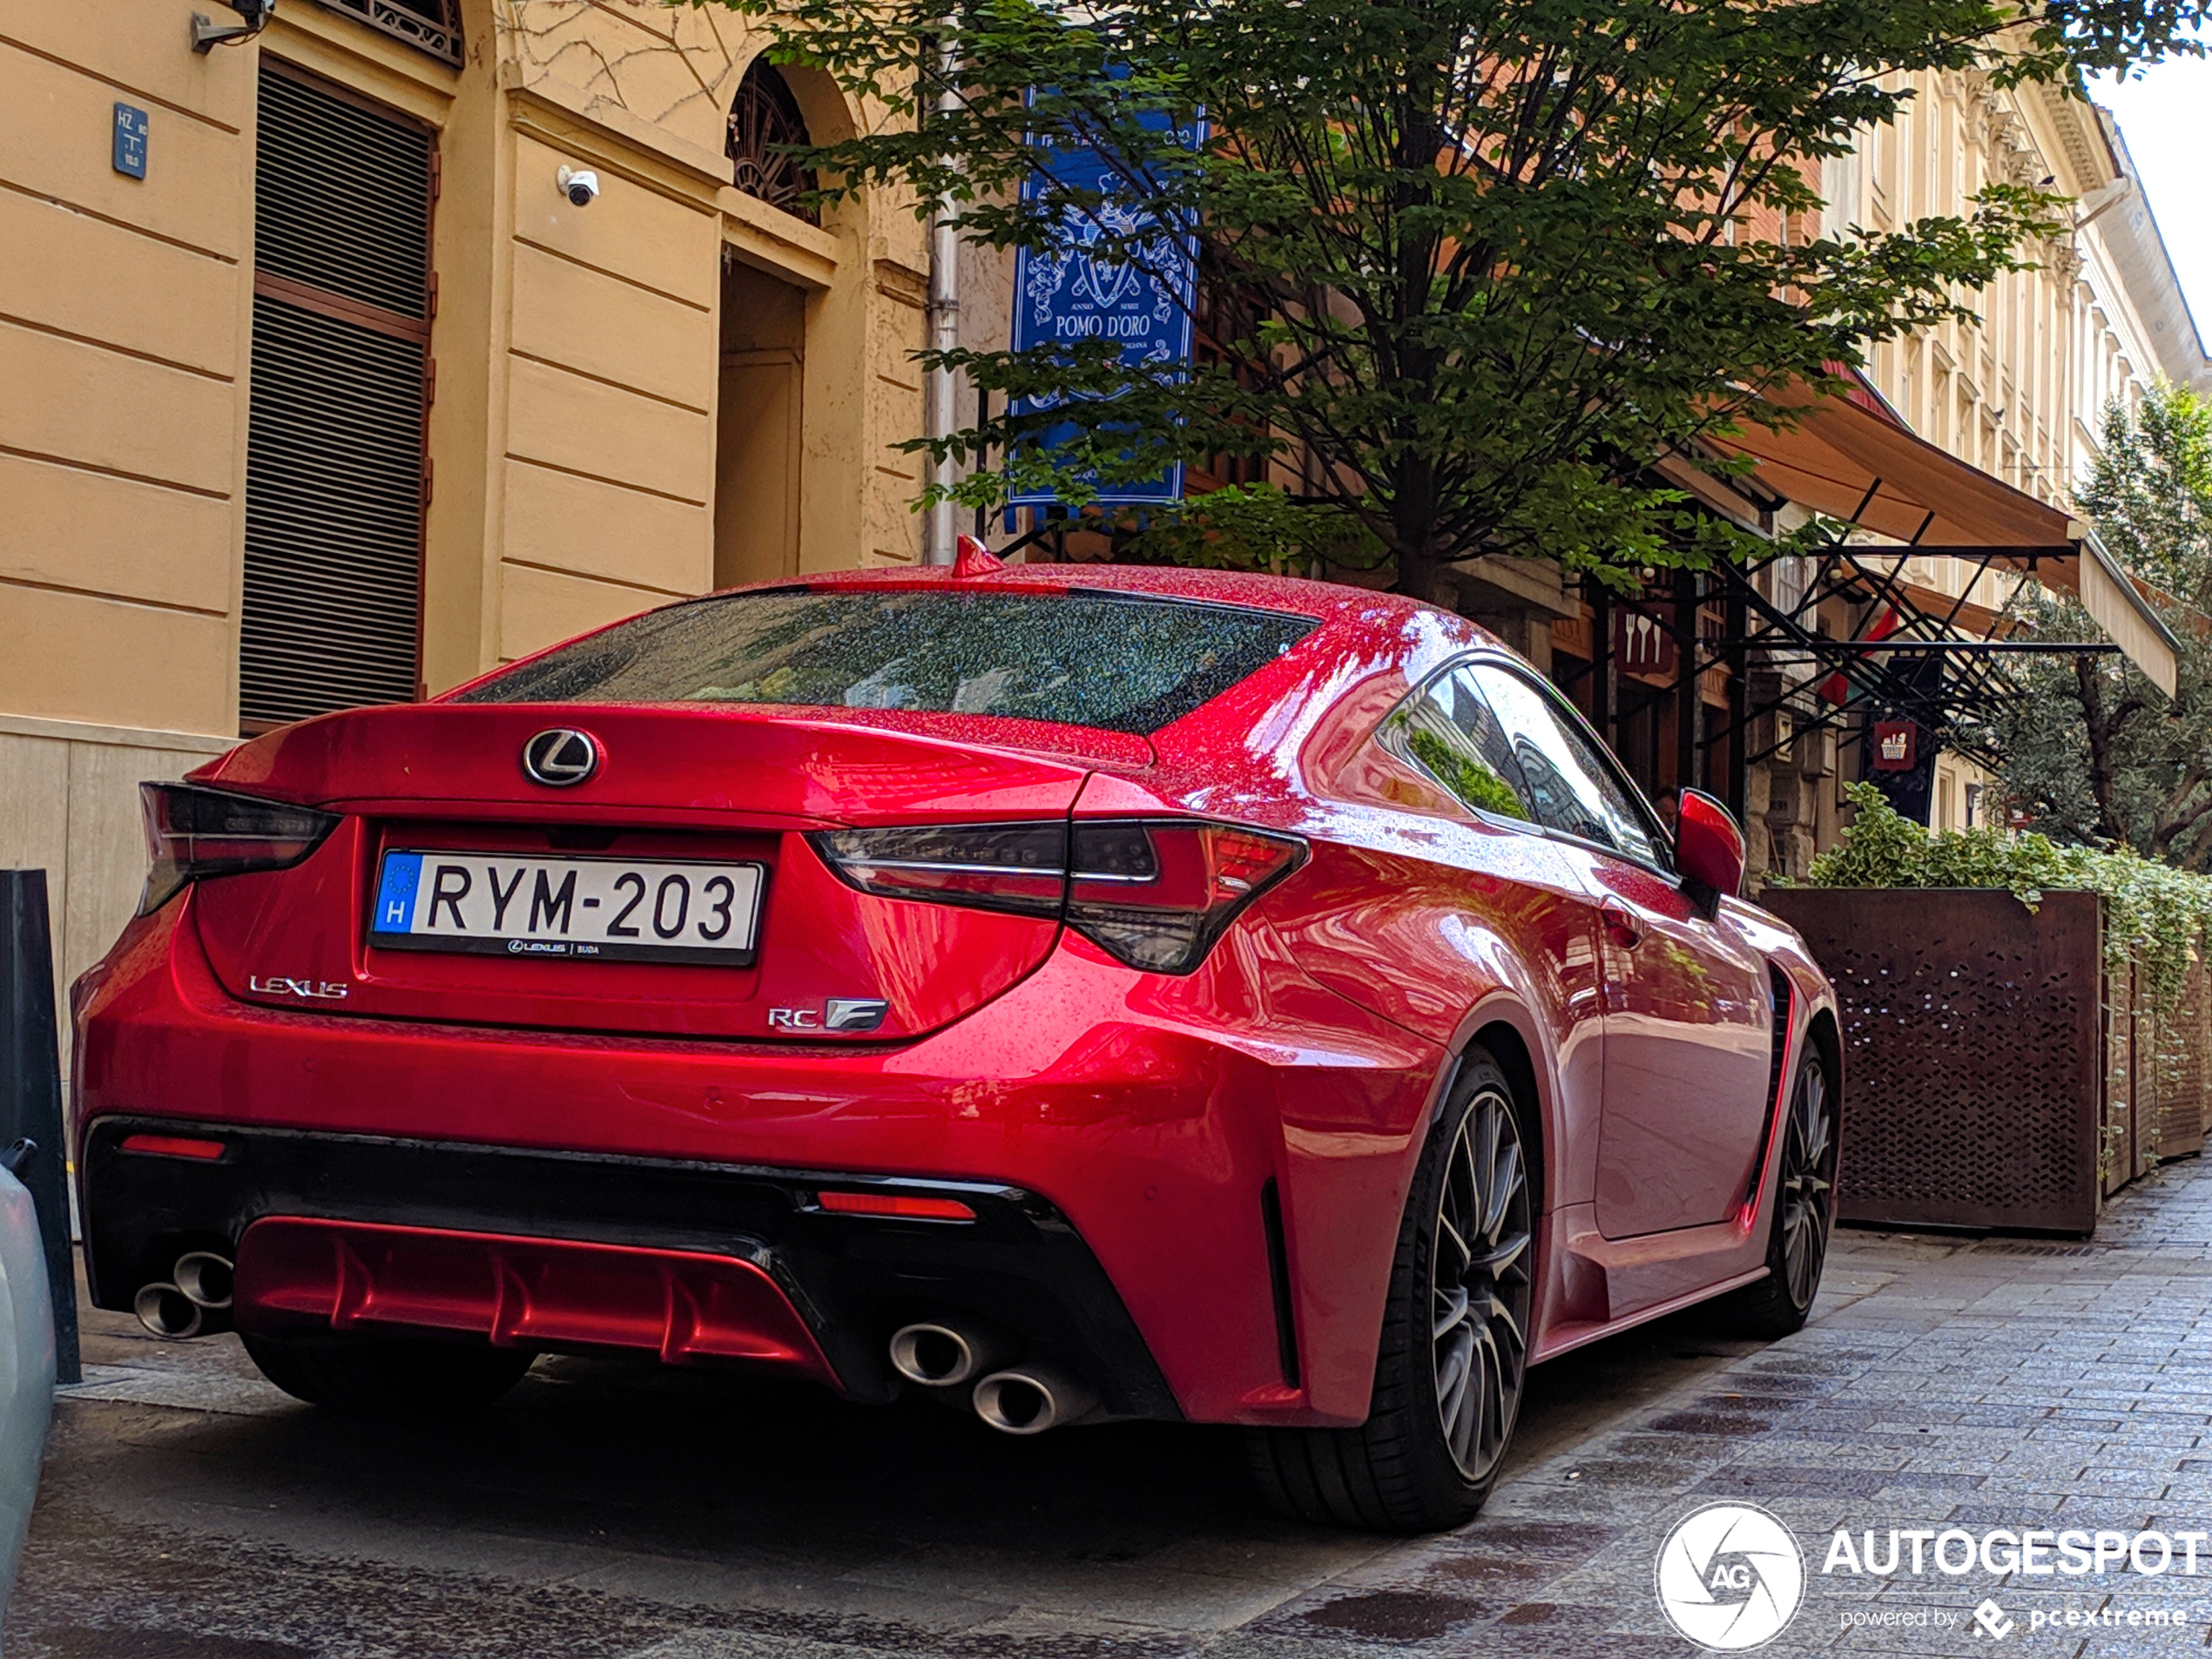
(975,559)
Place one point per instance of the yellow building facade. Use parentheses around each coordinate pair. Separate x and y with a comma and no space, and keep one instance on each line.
(360,389)
(2019,389)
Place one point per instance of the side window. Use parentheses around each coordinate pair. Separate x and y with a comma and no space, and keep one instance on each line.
(1569,785)
(1450,733)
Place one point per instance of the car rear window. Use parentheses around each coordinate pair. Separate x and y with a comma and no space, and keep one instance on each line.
(1078,656)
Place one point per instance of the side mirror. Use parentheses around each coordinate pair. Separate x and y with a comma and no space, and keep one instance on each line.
(1708,848)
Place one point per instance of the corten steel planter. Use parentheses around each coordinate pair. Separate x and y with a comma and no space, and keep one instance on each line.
(2156,1077)
(1974,1053)
(2185,1089)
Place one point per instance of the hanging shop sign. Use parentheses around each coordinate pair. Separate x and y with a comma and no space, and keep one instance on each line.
(1897,746)
(1642,643)
(1117,271)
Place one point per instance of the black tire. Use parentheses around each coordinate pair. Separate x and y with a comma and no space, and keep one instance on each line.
(390,1378)
(1437,1428)
(1805,1212)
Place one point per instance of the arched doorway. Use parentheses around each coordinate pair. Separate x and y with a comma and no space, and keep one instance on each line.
(758,441)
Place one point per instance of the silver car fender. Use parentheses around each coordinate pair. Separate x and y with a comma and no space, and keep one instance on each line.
(26,1370)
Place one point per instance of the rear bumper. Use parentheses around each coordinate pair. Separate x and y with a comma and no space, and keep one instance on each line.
(698,1263)
(1119,1128)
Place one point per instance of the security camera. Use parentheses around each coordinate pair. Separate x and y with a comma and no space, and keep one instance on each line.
(581,188)
(207,36)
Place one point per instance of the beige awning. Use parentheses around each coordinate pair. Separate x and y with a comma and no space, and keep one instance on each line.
(1850,458)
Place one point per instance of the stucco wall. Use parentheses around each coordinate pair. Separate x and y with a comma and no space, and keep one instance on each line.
(69,805)
(122,313)
(572,434)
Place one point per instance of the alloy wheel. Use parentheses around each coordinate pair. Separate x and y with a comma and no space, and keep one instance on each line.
(1481,1286)
(1807,1184)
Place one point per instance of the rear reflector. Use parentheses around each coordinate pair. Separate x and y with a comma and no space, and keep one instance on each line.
(903,1205)
(173,1146)
(1154,892)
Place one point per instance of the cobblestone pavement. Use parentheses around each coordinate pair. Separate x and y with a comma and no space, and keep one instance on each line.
(189,1512)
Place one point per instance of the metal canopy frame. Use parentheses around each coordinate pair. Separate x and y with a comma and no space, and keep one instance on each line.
(1920,670)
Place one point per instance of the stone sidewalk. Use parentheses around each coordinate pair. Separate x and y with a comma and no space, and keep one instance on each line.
(189,1512)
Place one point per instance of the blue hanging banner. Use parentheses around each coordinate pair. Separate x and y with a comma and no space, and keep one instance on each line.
(1079,290)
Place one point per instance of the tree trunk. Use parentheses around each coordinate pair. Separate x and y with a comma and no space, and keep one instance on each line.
(2099,730)
(1413,526)
(1417,574)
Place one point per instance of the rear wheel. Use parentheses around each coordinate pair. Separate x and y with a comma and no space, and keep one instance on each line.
(1803,1212)
(1454,1352)
(389,1379)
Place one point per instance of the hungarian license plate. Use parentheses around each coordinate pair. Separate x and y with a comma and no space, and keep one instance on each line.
(598,909)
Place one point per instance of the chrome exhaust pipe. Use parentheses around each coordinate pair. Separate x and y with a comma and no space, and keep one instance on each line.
(167,1311)
(943,1356)
(1029,1399)
(205,1279)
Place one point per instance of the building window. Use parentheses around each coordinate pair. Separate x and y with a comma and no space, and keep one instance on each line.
(764,121)
(433,26)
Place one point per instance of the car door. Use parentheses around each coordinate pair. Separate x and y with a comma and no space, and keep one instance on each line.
(1527,886)
(1688,1020)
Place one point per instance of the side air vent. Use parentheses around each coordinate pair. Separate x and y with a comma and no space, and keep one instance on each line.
(1278,1275)
(1780,999)
(1778,994)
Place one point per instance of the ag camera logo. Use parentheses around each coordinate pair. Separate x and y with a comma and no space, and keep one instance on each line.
(1730,1576)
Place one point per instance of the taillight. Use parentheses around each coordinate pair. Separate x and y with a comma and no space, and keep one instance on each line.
(193,832)
(1157,894)
(1021,868)
(1153,893)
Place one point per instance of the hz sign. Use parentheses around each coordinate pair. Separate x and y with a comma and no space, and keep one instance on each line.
(130,141)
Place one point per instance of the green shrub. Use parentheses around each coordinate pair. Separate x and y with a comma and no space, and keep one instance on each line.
(2161,915)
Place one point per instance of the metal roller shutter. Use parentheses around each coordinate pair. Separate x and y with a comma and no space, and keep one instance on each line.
(335,447)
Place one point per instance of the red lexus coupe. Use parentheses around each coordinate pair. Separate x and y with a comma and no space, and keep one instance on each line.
(1072,993)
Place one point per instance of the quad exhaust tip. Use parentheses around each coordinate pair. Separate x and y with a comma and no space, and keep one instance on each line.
(167,1311)
(943,1356)
(180,1305)
(1028,1400)
(205,1279)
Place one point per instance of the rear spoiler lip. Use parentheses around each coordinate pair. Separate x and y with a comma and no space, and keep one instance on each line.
(1076,750)
(639,815)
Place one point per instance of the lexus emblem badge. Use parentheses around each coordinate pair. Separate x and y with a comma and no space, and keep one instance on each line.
(560,757)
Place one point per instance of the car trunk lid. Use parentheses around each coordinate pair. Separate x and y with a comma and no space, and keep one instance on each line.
(680,801)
